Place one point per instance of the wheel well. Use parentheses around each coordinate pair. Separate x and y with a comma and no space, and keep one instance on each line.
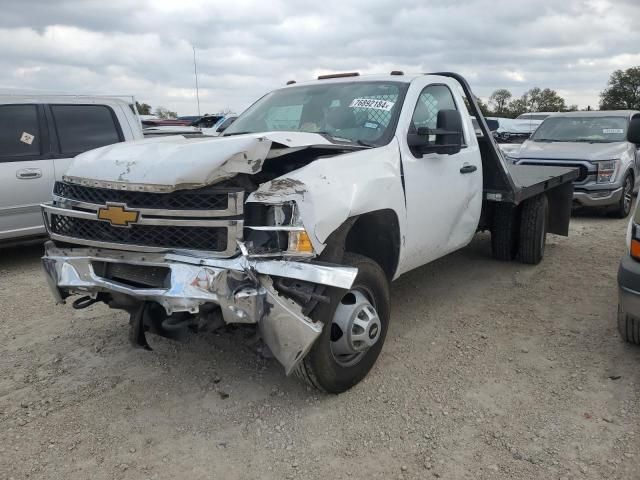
(376,235)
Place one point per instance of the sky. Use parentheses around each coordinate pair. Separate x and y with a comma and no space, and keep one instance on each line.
(246,48)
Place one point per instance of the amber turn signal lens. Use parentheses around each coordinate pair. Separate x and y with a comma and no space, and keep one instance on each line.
(299,242)
(635,249)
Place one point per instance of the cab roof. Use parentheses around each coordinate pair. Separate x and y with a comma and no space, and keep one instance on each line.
(341,78)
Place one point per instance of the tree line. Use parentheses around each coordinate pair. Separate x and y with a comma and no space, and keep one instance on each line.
(160,112)
(622,93)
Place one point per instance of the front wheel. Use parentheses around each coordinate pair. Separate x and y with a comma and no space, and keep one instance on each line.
(623,207)
(355,327)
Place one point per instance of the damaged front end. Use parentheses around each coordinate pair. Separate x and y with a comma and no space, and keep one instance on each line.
(182,244)
(190,289)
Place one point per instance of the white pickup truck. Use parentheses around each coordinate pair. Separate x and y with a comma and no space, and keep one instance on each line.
(296,220)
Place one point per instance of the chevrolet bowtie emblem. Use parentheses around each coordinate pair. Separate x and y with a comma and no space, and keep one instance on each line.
(118,215)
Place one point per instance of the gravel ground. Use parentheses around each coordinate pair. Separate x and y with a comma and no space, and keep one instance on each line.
(491,370)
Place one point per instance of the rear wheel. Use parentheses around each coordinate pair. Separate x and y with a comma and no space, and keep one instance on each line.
(533,229)
(504,233)
(355,327)
(623,207)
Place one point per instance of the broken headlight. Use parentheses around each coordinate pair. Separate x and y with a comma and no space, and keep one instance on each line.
(275,230)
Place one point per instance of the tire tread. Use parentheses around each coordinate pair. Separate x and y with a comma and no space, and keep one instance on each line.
(534,212)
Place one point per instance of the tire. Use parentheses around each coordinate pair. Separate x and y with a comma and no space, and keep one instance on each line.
(533,229)
(629,327)
(623,207)
(321,368)
(504,233)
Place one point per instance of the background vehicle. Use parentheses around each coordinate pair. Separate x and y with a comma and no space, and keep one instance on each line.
(513,131)
(189,118)
(596,143)
(216,130)
(39,135)
(296,220)
(535,116)
(629,271)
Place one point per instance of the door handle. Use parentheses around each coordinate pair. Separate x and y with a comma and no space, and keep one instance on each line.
(468,168)
(28,173)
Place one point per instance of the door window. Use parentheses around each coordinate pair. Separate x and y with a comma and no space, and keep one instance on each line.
(84,127)
(19,132)
(432,99)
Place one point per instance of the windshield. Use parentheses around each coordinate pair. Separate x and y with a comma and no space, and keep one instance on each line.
(358,112)
(582,129)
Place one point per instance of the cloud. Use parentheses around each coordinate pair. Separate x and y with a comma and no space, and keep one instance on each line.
(246,48)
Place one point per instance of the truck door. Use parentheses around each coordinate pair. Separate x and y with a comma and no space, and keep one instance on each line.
(443,192)
(26,170)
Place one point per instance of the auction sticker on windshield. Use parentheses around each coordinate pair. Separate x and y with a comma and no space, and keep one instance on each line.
(612,130)
(372,103)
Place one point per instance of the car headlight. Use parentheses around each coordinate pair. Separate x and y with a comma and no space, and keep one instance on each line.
(275,230)
(607,171)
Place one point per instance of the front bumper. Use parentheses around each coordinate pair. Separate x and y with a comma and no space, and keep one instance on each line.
(597,198)
(240,286)
(629,286)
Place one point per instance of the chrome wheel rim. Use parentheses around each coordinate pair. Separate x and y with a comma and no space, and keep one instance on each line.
(355,327)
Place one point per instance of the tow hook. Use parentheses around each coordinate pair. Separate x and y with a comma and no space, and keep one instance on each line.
(84,302)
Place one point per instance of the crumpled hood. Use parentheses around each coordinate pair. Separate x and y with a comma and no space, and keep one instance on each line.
(571,150)
(176,162)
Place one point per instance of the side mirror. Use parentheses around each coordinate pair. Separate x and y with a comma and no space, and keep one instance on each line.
(633,134)
(492,124)
(447,136)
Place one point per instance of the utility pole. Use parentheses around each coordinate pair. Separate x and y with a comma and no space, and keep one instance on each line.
(195,72)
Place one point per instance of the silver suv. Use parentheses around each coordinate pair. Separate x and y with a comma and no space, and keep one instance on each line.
(596,143)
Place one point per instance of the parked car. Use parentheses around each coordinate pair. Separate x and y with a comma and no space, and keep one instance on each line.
(189,118)
(535,116)
(513,131)
(39,136)
(213,131)
(629,271)
(157,122)
(596,143)
(298,217)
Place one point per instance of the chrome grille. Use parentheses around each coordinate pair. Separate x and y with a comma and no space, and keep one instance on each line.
(179,200)
(207,219)
(158,236)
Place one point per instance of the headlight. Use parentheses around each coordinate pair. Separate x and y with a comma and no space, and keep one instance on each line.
(607,171)
(275,230)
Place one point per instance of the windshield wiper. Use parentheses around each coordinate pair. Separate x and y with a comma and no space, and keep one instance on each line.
(544,140)
(590,140)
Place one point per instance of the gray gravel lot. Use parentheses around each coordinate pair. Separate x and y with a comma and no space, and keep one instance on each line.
(490,371)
